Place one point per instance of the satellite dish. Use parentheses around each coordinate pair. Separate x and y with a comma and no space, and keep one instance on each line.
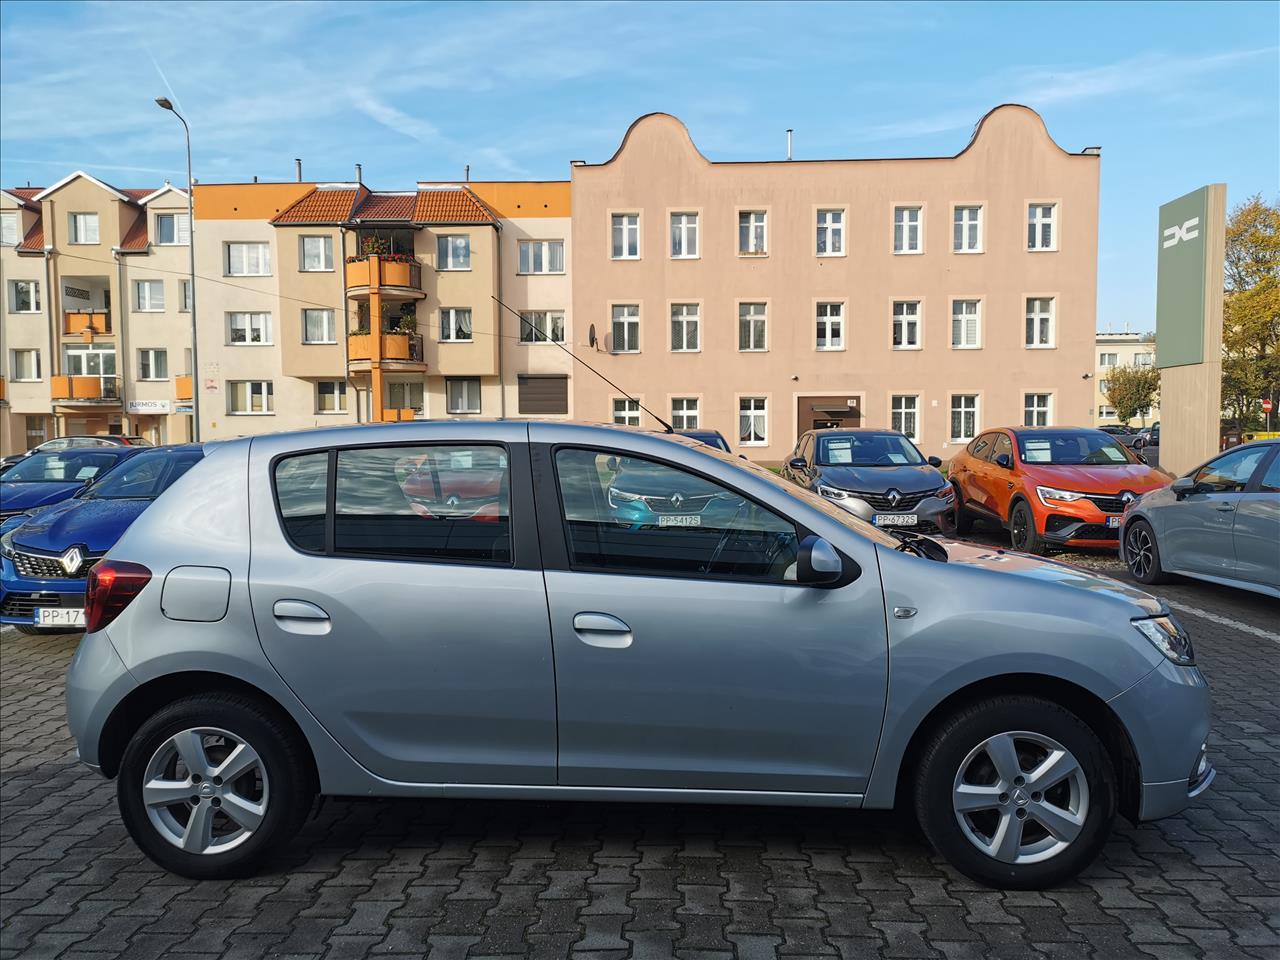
(591,335)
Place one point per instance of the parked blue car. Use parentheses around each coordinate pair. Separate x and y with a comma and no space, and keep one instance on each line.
(45,558)
(47,478)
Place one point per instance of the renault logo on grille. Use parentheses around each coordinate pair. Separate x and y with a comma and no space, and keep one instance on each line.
(71,560)
(677,499)
(1128,496)
(894,496)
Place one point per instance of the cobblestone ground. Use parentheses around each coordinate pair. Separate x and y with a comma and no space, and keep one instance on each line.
(606,882)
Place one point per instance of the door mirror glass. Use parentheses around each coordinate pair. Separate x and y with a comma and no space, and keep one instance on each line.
(935,462)
(819,565)
(798,463)
(1002,460)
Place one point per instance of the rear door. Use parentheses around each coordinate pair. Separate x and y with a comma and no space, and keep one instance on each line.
(1197,536)
(397,589)
(975,477)
(1256,533)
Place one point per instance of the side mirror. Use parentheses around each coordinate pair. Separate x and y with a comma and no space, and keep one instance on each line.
(1141,458)
(934,462)
(798,463)
(819,565)
(1182,486)
(1002,460)
(611,464)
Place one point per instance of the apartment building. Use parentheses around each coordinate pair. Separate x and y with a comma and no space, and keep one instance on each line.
(1120,350)
(938,296)
(96,318)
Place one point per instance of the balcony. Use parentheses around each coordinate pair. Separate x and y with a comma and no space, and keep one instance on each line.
(85,390)
(182,389)
(87,323)
(397,415)
(394,279)
(400,351)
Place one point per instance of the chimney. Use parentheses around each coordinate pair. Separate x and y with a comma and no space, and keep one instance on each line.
(466,173)
(789,131)
(297,165)
(255,178)
(359,173)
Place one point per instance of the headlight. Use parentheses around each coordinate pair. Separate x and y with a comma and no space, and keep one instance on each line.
(6,545)
(945,491)
(617,496)
(1169,638)
(833,493)
(1050,495)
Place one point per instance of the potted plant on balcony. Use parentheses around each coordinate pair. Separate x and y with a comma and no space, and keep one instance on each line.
(408,321)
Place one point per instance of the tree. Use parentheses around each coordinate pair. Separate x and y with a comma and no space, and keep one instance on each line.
(1132,390)
(1251,313)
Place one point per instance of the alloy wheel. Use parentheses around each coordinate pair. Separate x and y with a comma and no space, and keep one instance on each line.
(1139,551)
(205,790)
(1020,797)
(1018,529)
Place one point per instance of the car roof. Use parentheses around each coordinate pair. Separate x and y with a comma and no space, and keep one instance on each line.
(845,431)
(1019,431)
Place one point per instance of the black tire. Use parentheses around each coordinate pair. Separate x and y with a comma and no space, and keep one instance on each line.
(946,751)
(284,757)
(1142,554)
(964,522)
(1022,530)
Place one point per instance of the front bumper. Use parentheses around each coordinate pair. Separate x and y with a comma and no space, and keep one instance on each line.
(933,514)
(20,596)
(1078,524)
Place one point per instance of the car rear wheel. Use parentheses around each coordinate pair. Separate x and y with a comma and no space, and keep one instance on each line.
(1022,530)
(964,522)
(1142,555)
(1016,792)
(212,784)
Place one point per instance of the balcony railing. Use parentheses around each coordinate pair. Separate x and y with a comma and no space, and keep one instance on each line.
(86,321)
(377,272)
(182,388)
(395,346)
(85,389)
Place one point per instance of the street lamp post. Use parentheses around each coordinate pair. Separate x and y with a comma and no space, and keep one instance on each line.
(166,104)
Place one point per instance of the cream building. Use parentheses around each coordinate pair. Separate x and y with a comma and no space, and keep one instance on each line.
(1120,350)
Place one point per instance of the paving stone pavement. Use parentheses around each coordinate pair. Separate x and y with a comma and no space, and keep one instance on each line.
(588,881)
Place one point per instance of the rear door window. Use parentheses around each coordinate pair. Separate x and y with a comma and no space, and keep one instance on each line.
(1002,445)
(301,492)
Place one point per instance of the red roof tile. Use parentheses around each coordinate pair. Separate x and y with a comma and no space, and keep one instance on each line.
(33,242)
(135,241)
(321,206)
(135,194)
(26,195)
(451,206)
(387,206)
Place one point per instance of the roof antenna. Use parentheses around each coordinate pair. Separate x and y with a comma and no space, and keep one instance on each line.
(667,426)
(789,132)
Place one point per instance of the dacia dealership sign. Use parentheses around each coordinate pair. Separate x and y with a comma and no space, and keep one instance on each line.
(1180,280)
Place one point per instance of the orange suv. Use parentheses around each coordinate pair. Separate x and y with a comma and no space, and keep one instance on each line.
(1050,486)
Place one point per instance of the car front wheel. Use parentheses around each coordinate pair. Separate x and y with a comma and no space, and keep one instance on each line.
(964,521)
(1142,555)
(1022,530)
(1016,793)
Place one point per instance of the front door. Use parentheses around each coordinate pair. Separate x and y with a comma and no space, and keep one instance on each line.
(686,655)
(1256,533)
(1197,533)
(409,615)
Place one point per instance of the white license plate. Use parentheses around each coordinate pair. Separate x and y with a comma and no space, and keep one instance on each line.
(690,520)
(1114,522)
(59,617)
(896,520)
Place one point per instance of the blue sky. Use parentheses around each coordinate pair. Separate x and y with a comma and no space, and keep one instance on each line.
(1177,94)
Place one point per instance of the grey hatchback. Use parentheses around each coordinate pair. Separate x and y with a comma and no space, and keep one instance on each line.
(481,609)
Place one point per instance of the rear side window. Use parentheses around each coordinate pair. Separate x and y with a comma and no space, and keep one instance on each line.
(981,447)
(1002,445)
(301,488)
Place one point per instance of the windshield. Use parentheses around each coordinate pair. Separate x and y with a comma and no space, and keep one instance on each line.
(64,466)
(145,476)
(867,450)
(1071,447)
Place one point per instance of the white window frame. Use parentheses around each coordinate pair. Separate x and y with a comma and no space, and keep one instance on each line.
(757,409)
(1144,359)
(752,346)
(1103,359)
(829,222)
(33,296)
(265,389)
(449,326)
(525,259)
(1036,409)
(684,234)
(1106,412)
(631,324)
(251,319)
(977,324)
(686,413)
(833,322)
(625,411)
(339,394)
(625,226)
(465,409)
(181,230)
(903,225)
(330,325)
(10,227)
(326,253)
(900,320)
(898,413)
(78,231)
(960,218)
(536,327)
(756,223)
(149,303)
(147,363)
(1037,221)
(243,247)
(445,260)
(1036,316)
(976,410)
(686,317)
(14,366)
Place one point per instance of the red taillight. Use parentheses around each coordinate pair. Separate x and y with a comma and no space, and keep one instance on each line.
(112,585)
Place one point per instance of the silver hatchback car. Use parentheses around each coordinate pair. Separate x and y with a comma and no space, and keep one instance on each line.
(564,611)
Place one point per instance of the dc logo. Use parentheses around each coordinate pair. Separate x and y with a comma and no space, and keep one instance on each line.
(1187,231)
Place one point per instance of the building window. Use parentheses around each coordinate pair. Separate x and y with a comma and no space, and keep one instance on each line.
(684,413)
(406,395)
(248,328)
(830,233)
(248,259)
(9,229)
(149,295)
(173,230)
(966,230)
(906,229)
(753,421)
(1035,409)
(247,397)
(153,364)
(1108,359)
(626,412)
(831,326)
(186,297)
(684,327)
(318,326)
(542,326)
(26,365)
(626,236)
(965,325)
(684,236)
(541,256)
(316,254)
(1106,412)
(753,233)
(904,415)
(462,394)
(906,325)
(455,324)
(626,328)
(84,227)
(1040,325)
(964,417)
(1143,359)
(453,252)
(1042,230)
(752,326)
(1104,385)
(331,396)
(24,296)
(539,395)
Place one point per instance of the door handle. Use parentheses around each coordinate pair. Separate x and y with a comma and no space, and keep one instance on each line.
(297,610)
(602,630)
(1226,507)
